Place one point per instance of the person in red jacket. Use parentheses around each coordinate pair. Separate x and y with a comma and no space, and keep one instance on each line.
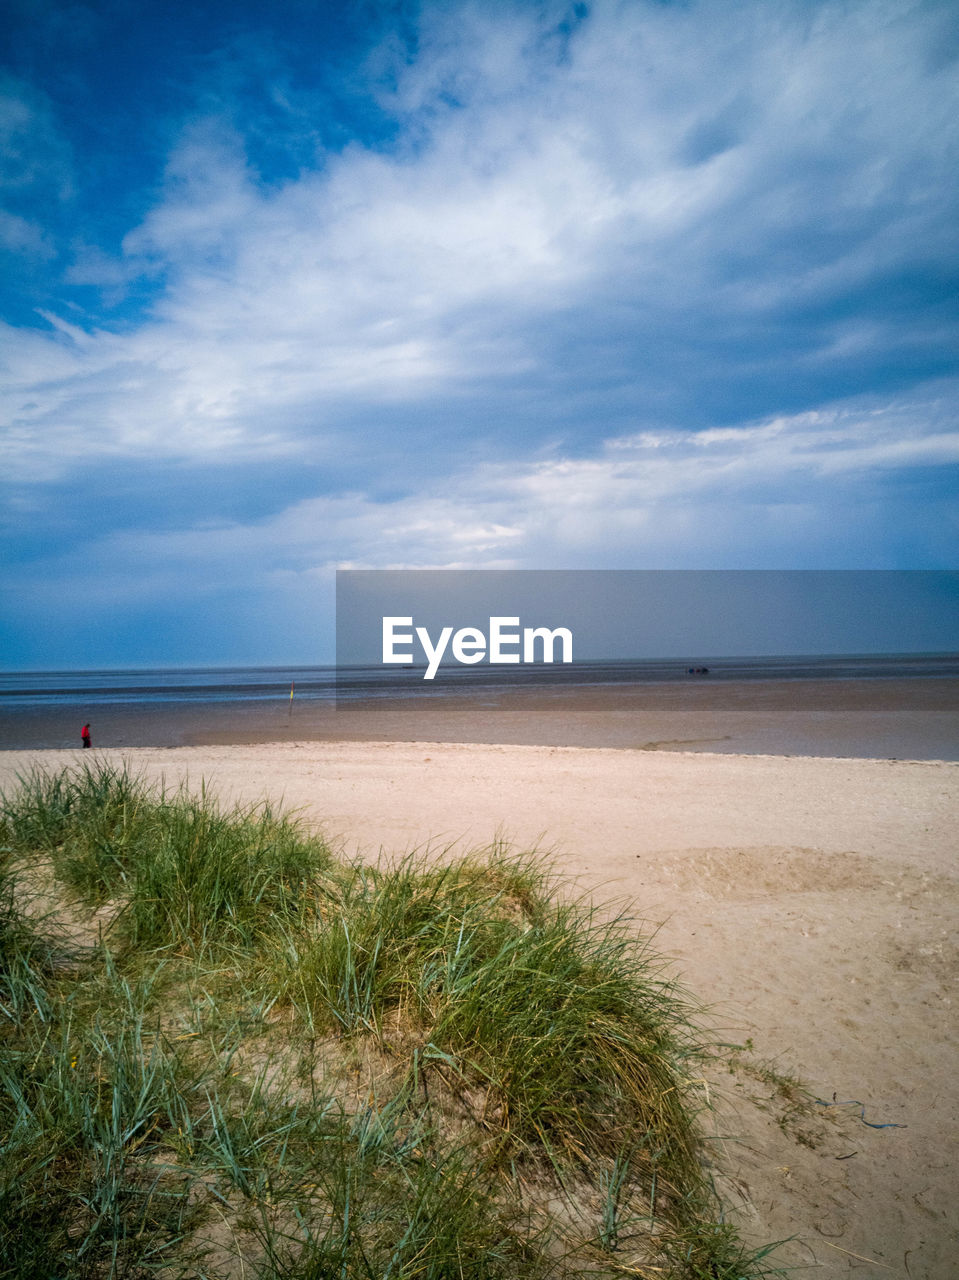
(85,736)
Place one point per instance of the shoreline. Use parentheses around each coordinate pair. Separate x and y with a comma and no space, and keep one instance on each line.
(148,751)
(864,719)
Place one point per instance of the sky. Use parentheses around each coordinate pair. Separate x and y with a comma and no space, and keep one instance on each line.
(501,285)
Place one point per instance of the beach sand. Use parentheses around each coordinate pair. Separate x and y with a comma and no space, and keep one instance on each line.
(810,902)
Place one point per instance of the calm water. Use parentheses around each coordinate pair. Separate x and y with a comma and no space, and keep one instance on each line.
(197,686)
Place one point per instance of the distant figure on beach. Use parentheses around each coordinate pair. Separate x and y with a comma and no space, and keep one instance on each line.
(85,736)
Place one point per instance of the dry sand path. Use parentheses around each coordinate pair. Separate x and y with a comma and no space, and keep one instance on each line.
(811,902)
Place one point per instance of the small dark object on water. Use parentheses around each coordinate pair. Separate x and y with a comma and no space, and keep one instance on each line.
(697,671)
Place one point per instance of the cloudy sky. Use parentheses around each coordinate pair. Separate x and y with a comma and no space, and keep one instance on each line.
(522,284)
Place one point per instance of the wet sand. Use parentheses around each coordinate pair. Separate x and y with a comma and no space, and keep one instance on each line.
(914,719)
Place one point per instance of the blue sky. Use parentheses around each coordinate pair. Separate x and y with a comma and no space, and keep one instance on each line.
(500,285)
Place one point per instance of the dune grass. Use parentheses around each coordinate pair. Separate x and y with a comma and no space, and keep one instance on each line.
(270,1063)
(551,1018)
(188,874)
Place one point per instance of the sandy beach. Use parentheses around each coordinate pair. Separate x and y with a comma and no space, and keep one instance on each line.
(810,902)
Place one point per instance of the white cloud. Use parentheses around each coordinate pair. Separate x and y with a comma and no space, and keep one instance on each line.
(771,493)
(678,198)
(33,155)
(20,236)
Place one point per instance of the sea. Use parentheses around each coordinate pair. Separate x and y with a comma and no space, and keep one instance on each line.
(36,690)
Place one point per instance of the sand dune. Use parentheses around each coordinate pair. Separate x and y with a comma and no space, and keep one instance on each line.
(812,903)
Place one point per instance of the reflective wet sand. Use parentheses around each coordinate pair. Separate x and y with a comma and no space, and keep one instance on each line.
(902,719)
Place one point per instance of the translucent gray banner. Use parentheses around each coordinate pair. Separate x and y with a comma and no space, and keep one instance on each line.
(436,626)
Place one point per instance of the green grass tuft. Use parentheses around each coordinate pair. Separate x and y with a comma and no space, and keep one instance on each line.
(91,821)
(554,1017)
(26,960)
(186,873)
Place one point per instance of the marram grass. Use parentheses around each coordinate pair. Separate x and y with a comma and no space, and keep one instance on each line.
(185,874)
(268,1063)
(551,1016)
